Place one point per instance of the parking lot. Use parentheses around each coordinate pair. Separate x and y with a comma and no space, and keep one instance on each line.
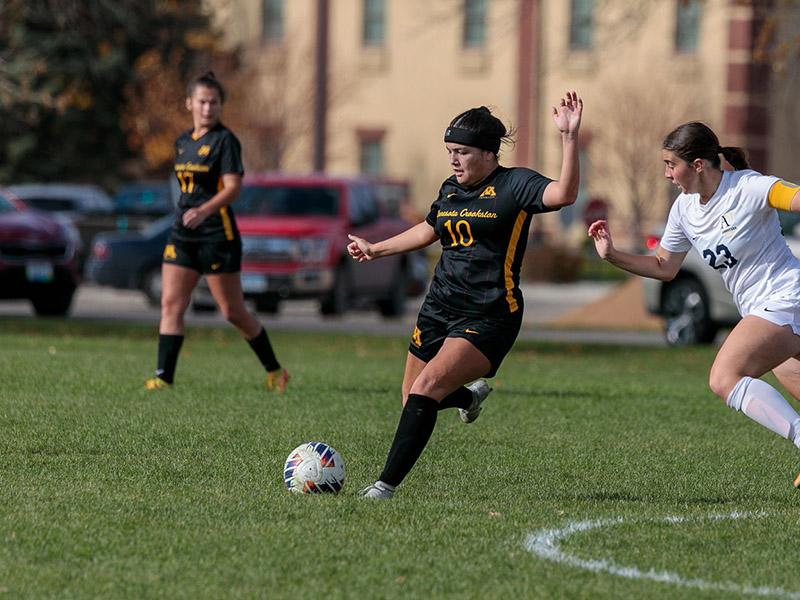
(545,305)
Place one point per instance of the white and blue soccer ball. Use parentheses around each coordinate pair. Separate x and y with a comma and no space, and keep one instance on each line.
(314,468)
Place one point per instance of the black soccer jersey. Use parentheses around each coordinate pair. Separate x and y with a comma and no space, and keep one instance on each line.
(199,166)
(484,231)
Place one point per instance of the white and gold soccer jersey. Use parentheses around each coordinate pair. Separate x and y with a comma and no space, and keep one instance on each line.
(737,233)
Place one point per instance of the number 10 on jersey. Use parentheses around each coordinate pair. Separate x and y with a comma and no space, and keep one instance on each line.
(462,229)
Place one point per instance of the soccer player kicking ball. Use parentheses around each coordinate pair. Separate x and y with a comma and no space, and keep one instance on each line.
(730,218)
(473,310)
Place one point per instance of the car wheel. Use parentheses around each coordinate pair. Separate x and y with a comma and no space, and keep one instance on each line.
(268,304)
(394,304)
(686,313)
(337,301)
(151,286)
(203,306)
(54,301)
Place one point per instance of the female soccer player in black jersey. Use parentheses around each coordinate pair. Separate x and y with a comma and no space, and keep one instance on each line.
(473,311)
(204,239)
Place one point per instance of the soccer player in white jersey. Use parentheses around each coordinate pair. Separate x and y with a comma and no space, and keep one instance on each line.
(730,219)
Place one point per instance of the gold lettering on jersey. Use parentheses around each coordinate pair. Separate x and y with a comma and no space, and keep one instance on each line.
(203,150)
(190,166)
(488,192)
(465,212)
(477,214)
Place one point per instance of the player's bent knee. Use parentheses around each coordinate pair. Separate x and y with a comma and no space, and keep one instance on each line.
(236,317)
(431,386)
(722,383)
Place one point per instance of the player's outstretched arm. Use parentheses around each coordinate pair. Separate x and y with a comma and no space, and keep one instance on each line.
(662,265)
(414,238)
(567,117)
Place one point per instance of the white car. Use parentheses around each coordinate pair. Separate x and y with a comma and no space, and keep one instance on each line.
(695,305)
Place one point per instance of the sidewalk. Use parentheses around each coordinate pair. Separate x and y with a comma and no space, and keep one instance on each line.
(589,305)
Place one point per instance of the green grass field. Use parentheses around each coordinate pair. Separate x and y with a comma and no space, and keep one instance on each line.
(582,454)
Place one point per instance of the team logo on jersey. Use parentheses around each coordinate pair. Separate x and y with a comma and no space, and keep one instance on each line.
(215,266)
(169,252)
(203,150)
(451,194)
(488,192)
(416,337)
(726,224)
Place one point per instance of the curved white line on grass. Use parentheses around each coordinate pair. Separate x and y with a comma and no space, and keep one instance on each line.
(545,544)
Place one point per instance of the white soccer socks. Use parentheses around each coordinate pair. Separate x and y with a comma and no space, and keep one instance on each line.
(766,406)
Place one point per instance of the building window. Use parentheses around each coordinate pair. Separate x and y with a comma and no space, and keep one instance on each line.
(271,20)
(687,25)
(374,22)
(475,23)
(372,157)
(580,24)
(371,151)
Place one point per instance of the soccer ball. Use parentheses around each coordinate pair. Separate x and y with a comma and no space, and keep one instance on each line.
(314,468)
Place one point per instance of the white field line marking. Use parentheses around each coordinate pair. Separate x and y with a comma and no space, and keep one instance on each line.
(545,544)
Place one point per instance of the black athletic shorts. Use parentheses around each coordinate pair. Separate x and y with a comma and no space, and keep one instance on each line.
(207,257)
(493,336)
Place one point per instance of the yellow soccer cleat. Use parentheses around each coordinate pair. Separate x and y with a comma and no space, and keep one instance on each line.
(277,380)
(156,383)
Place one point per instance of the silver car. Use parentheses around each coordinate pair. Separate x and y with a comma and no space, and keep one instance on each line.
(695,305)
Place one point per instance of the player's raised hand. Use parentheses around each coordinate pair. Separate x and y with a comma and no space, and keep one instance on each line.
(601,235)
(359,249)
(567,115)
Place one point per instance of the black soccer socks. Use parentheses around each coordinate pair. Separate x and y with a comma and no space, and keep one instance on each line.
(169,346)
(413,432)
(263,349)
(461,398)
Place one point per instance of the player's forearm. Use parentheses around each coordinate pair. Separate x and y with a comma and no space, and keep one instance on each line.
(565,191)
(222,198)
(416,237)
(645,265)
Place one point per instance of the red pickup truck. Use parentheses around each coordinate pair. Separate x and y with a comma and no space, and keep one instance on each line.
(294,238)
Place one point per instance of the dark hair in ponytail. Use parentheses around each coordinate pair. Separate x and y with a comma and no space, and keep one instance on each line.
(735,156)
(696,140)
(209,80)
(482,122)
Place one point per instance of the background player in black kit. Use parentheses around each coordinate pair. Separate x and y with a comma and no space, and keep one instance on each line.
(473,311)
(204,239)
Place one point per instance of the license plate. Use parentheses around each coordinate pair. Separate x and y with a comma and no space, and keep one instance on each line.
(39,272)
(254,284)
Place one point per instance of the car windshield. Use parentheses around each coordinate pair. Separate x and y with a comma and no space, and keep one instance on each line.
(288,201)
(6,206)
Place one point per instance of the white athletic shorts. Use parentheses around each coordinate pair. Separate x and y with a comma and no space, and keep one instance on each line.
(781,311)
